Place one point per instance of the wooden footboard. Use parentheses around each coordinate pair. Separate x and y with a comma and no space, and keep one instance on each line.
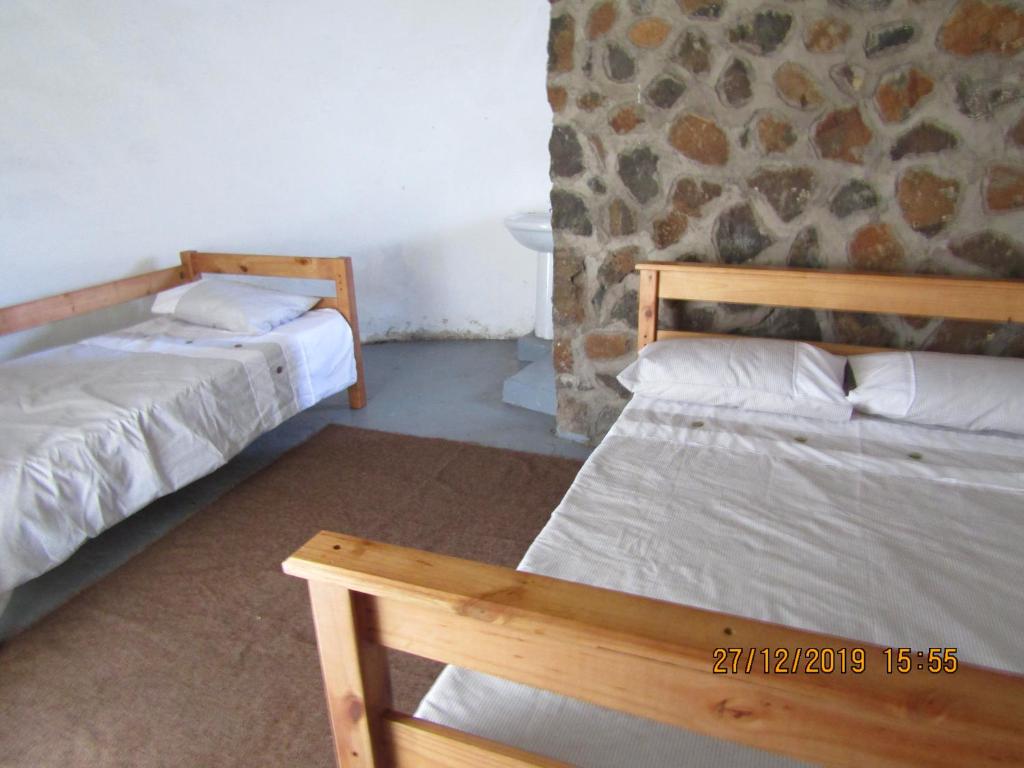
(636,655)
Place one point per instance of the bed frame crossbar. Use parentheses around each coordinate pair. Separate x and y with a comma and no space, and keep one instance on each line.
(30,314)
(960,298)
(645,657)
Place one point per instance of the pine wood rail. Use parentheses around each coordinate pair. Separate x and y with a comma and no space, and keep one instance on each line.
(30,314)
(961,298)
(645,657)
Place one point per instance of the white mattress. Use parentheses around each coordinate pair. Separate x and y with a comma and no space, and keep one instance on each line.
(890,533)
(94,431)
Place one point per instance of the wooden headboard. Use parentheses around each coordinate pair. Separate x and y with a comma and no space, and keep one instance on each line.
(30,314)
(961,298)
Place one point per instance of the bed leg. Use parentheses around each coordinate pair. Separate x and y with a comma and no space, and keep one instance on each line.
(357,395)
(647,320)
(345,288)
(355,673)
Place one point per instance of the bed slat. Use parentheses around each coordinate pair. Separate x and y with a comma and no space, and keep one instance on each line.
(654,659)
(834,347)
(961,298)
(303,267)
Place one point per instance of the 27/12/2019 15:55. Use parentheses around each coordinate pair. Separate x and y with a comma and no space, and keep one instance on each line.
(825,660)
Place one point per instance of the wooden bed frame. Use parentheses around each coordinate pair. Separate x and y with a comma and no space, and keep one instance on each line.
(641,656)
(21,317)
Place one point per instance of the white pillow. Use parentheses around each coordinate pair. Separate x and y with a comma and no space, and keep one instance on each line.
(758,374)
(231,306)
(960,391)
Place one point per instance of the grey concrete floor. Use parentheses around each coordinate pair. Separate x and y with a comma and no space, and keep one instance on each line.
(448,389)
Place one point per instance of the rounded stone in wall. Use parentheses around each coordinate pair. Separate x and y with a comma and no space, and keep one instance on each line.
(853,196)
(976,27)
(851,79)
(692,51)
(589,101)
(557,98)
(995,252)
(618,64)
(735,84)
(561,40)
(889,38)
(638,169)
(665,91)
(875,248)
(690,194)
(787,190)
(928,201)
(739,236)
(569,213)
(601,20)
(669,229)
(981,99)
(1004,188)
(762,32)
(565,151)
(618,265)
(621,219)
(843,135)
(625,119)
(798,87)
(864,329)
(649,33)
(700,139)
(900,91)
(926,138)
(774,133)
(826,35)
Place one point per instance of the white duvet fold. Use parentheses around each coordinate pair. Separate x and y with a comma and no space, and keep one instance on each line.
(94,431)
(890,533)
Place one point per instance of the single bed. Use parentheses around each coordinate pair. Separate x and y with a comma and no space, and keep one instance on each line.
(94,431)
(760,531)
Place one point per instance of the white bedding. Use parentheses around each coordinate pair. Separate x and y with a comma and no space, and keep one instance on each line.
(891,533)
(94,431)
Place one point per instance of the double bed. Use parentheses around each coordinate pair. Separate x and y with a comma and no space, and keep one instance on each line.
(828,527)
(94,431)
(695,530)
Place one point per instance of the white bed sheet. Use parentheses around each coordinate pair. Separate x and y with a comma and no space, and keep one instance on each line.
(92,432)
(891,533)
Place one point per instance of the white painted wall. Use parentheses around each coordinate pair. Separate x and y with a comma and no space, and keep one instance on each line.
(399,132)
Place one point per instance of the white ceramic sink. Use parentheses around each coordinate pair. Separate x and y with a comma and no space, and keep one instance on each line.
(532,229)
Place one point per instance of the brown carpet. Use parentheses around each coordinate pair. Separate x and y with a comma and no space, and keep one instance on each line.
(201,652)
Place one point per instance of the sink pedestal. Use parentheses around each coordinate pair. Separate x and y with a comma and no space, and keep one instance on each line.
(534,386)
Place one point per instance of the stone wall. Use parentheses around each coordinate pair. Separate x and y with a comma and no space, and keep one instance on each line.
(853,134)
